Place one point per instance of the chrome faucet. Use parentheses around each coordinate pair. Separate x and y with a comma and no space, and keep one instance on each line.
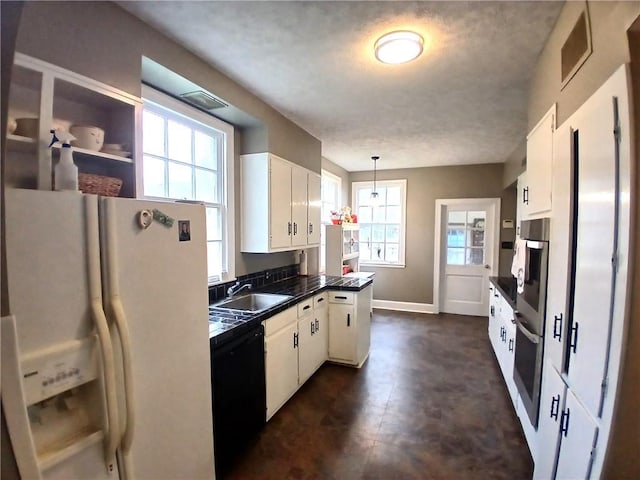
(237,288)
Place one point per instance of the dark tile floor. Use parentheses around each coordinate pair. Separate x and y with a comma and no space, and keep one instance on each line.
(429,403)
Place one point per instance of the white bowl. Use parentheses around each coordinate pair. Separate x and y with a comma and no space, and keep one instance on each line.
(113,146)
(87,136)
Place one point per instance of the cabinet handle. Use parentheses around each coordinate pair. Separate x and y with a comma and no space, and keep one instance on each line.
(555,402)
(511,344)
(493,311)
(348,319)
(573,343)
(295,340)
(564,422)
(557,322)
(306,307)
(525,195)
(340,298)
(312,328)
(321,300)
(317,325)
(289,227)
(295,228)
(311,228)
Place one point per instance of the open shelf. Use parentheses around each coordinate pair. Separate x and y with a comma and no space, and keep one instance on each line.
(21,144)
(78,152)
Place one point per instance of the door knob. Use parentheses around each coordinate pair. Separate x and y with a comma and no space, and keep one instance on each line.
(487,266)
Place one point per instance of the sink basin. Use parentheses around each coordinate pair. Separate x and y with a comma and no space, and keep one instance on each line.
(254,302)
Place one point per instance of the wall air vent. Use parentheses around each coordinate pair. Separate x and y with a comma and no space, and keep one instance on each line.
(576,48)
(203,100)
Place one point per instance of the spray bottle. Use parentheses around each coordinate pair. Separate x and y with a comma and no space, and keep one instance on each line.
(66,172)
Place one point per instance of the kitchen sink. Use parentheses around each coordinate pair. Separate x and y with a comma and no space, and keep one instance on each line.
(253,302)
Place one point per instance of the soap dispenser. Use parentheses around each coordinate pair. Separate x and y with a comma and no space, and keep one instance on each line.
(66,172)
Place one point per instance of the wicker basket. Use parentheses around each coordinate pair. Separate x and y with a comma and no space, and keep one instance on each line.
(99,184)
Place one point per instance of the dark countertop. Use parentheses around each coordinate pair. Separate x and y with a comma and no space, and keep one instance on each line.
(224,325)
(508,288)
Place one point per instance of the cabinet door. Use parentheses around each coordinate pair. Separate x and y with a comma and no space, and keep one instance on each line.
(578,438)
(540,163)
(551,406)
(280,226)
(363,322)
(321,314)
(299,206)
(306,348)
(522,205)
(281,366)
(342,333)
(314,200)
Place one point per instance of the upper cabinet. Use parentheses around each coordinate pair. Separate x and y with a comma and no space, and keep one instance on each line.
(534,190)
(44,97)
(280,205)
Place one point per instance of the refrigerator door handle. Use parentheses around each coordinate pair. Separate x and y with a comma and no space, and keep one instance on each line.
(102,329)
(122,325)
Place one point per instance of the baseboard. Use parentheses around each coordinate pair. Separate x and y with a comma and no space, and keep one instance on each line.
(403,306)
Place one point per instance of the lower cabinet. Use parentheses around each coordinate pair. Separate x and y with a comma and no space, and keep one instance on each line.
(295,347)
(350,326)
(502,335)
(567,432)
(281,358)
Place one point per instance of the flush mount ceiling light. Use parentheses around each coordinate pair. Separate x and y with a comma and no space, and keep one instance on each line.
(399,47)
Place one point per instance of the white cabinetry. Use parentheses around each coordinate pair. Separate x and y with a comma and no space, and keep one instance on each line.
(349,326)
(568,430)
(296,344)
(281,358)
(502,334)
(313,336)
(57,98)
(280,205)
(535,195)
(342,248)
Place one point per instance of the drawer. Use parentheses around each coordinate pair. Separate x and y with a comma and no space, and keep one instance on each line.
(305,308)
(341,297)
(320,301)
(279,321)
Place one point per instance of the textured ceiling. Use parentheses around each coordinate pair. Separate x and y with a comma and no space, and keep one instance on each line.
(464,101)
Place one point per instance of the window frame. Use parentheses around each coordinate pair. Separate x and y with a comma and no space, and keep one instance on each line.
(324,221)
(402,183)
(170,107)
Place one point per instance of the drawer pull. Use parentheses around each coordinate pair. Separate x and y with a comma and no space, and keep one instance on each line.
(338,297)
(321,300)
(306,307)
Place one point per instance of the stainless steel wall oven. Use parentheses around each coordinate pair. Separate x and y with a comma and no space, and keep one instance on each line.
(530,314)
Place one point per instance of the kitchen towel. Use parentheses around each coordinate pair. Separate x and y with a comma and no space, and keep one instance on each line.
(519,264)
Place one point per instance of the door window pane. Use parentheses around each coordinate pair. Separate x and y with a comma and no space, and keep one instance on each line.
(455,237)
(457,219)
(455,256)
(475,256)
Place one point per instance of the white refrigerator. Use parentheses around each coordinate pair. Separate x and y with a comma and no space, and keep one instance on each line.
(105,355)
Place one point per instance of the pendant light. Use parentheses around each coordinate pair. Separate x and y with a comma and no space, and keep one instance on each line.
(375,197)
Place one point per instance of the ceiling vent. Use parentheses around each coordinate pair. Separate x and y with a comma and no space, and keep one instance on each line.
(203,100)
(576,48)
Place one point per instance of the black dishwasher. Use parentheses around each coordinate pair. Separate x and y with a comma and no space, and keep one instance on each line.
(238,392)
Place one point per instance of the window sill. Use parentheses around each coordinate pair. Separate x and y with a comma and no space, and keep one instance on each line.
(383,265)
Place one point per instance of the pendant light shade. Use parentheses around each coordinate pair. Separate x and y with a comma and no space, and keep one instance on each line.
(375,197)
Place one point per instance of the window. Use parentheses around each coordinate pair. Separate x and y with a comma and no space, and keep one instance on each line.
(188,155)
(382,223)
(331,201)
(465,237)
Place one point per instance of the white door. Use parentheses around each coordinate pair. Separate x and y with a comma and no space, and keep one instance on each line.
(467,252)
